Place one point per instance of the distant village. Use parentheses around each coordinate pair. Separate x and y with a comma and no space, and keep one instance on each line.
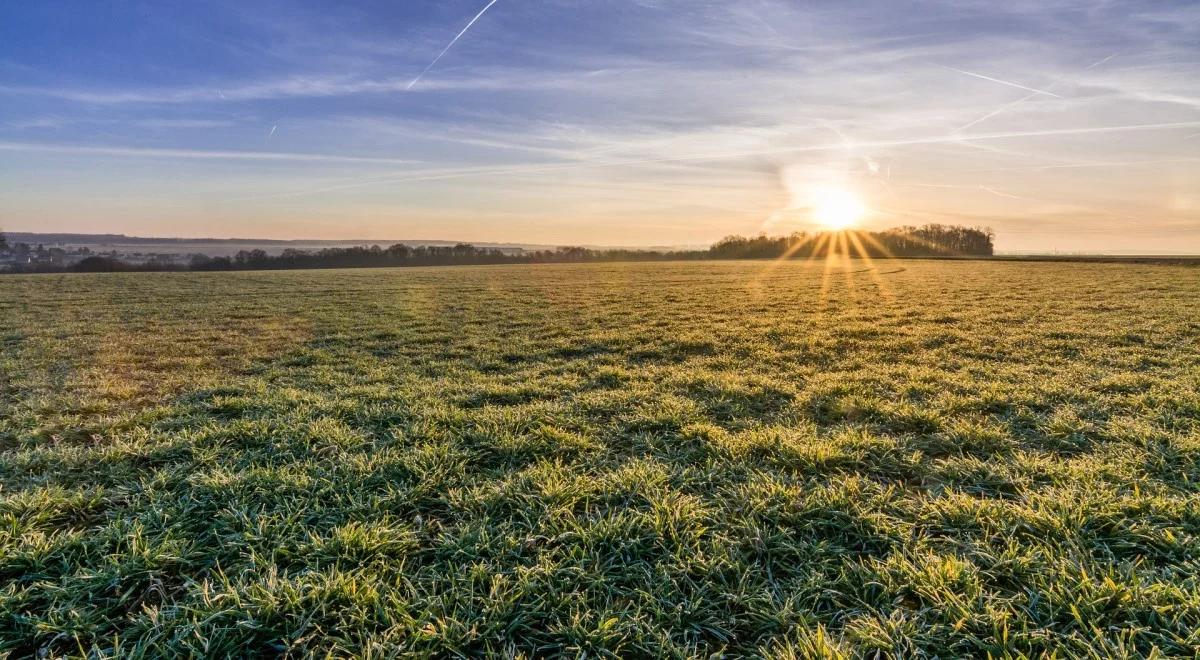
(85,252)
(26,256)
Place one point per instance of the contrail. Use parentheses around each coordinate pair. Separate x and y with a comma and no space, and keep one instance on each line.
(1002,82)
(995,112)
(1023,99)
(538,168)
(272,133)
(1072,166)
(986,189)
(1000,193)
(451,44)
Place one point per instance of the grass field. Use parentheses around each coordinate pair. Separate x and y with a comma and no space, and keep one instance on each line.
(923,458)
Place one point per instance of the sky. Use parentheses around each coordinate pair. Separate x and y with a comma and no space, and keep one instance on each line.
(1063,125)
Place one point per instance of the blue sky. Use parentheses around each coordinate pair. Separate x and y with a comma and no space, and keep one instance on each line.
(1063,125)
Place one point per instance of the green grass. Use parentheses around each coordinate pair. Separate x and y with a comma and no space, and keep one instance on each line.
(928,458)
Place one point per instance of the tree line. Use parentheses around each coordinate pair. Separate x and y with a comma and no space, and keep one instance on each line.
(405,255)
(931,240)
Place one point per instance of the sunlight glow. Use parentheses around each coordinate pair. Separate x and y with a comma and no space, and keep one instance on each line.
(837,209)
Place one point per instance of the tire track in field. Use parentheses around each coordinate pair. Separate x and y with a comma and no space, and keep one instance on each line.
(865,270)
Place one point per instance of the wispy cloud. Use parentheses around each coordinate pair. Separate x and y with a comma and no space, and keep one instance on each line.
(291,87)
(194,154)
(154,123)
(530,168)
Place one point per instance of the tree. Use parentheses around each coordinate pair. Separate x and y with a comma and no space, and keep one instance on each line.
(3,242)
(100,265)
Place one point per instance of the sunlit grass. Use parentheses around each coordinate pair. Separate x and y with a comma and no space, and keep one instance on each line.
(827,459)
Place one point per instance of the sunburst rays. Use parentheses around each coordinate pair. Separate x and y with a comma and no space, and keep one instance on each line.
(837,251)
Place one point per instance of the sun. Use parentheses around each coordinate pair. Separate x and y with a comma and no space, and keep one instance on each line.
(837,209)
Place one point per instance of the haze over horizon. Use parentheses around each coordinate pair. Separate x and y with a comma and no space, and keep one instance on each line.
(1061,125)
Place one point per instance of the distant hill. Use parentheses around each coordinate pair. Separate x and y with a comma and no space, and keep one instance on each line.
(122,239)
(227,246)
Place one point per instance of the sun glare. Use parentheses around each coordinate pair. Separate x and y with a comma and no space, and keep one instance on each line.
(837,209)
